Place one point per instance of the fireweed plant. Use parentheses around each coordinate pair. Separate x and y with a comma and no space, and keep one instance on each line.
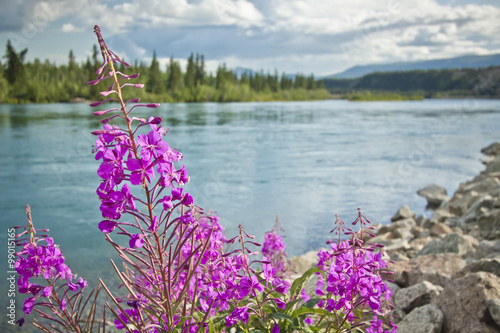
(180,273)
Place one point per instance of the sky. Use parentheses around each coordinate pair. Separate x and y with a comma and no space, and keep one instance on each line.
(293,36)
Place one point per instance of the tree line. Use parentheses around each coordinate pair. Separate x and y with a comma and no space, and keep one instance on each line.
(472,82)
(46,82)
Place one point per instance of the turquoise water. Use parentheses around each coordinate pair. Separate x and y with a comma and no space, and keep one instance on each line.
(305,161)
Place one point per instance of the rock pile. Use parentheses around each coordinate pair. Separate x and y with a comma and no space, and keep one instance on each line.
(447,267)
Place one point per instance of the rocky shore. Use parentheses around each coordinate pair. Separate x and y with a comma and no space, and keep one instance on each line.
(446,266)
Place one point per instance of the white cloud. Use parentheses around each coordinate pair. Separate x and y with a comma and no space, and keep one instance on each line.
(69,27)
(309,35)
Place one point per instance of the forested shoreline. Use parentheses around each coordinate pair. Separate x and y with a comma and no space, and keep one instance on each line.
(46,82)
(445,83)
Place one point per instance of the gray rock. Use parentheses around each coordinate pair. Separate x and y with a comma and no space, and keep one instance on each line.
(421,220)
(493,167)
(425,319)
(493,149)
(435,268)
(439,216)
(494,309)
(489,224)
(404,213)
(416,296)
(397,245)
(469,219)
(434,194)
(451,243)
(401,229)
(483,265)
(460,203)
(488,249)
(464,303)
(482,184)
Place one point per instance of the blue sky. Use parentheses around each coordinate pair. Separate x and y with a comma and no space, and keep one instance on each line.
(308,36)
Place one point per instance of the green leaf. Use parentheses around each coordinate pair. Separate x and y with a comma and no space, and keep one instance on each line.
(301,280)
(283,316)
(301,311)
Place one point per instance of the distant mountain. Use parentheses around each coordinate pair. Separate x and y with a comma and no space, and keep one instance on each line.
(473,61)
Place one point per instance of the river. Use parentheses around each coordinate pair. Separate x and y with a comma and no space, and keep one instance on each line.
(248,162)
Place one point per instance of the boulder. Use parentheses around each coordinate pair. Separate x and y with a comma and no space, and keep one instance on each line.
(493,167)
(459,204)
(418,244)
(439,216)
(482,184)
(489,224)
(483,265)
(416,296)
(397,245)
(404,213)
(434,194)
(398,229)
(435,268)
(425,319)
(451,243)
(469,219)
(464,303)
(488,249)
(492,149)
(494,309)
(440,229)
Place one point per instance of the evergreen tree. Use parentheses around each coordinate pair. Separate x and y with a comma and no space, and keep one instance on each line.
(174,76)
(190,77)
(15,71)
(155,83)
(200,69)
(71,61)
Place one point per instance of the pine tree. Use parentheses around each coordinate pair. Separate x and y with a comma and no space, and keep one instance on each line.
(190,77)
(155,83)
(15,71)
(174,77)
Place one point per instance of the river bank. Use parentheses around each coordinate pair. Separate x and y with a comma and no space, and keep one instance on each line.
(446,266)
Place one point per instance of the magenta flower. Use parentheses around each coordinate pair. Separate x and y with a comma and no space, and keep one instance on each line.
(116,203)
(141,170)
(249,285)
(73,287)
(136,241)
(28,305)
(152,145)
(280,303)
(107,226)
(240,313)
(167,203)
(154,224)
